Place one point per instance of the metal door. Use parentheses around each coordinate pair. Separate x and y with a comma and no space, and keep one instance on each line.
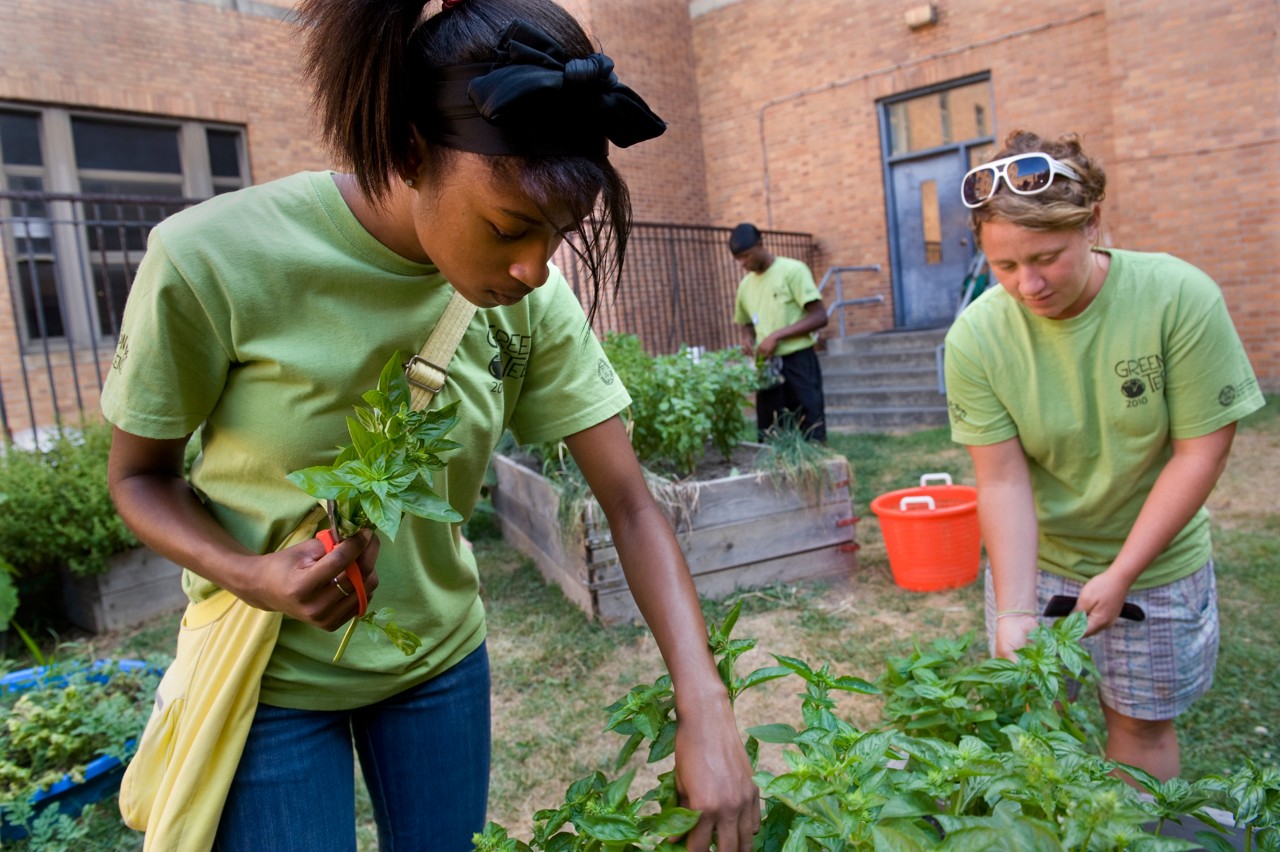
(932,236)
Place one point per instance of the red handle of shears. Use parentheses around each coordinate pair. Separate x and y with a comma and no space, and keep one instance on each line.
(353,570)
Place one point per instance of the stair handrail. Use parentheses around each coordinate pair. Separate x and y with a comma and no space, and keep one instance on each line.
(840,301)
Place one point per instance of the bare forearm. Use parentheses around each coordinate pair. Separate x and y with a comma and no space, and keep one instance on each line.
(663,589)
(1006,514)
(1179,491)
(167,516)
(814,319)
(155,501)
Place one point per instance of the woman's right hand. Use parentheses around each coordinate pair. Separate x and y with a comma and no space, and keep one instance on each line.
(151,493)
(1012,632)
(299,581)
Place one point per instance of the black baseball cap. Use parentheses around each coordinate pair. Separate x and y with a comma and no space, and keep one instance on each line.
(743,237)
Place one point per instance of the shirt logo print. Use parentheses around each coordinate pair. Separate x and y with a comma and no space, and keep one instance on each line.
(122,354)
(1141,374)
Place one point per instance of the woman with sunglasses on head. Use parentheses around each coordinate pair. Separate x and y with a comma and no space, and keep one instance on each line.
(1097,392)
(477,139)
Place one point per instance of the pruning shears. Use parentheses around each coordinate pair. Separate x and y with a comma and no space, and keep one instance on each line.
(331,538)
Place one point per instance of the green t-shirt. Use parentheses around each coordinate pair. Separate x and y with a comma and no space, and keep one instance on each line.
(775,299)
(1095,400)
(264,315)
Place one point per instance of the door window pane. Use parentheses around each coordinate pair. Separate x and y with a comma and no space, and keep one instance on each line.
(932,221)
(940,118)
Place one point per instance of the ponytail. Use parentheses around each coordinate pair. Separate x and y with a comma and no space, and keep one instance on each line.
(355,56)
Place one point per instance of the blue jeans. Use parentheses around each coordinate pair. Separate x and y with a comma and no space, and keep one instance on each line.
(425,758)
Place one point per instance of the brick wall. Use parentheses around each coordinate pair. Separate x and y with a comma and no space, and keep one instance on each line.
(1175,97)
(650,41)
(166,58)
(1195,127)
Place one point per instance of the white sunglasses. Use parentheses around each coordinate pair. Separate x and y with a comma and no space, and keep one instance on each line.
(1024,174)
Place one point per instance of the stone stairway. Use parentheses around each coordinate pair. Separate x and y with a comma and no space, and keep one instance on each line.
(887,381)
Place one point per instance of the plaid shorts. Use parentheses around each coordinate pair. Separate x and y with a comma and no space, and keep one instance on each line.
(1152,669)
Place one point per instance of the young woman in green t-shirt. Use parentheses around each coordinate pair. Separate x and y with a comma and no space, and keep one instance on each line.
(477,139)
(1097,392)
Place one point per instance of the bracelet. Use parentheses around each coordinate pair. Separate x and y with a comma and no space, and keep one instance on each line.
(1002,613)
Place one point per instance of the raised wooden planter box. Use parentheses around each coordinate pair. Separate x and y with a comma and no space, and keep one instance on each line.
(139,585)
(745,531)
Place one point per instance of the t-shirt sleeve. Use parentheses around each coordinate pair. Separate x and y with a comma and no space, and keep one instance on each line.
(1209,381)
(802,287)
(172,359)
(741,314)
(570,384)
(977,416)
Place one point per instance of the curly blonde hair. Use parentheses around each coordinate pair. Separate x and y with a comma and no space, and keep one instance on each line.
(1066,205)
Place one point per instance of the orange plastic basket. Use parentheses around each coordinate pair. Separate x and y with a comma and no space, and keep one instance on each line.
(931,534)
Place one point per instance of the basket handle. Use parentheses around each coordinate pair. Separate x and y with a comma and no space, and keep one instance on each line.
(925,501)
(945,477)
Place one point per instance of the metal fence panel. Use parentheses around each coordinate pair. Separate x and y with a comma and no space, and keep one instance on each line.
(69,260)
(678,286)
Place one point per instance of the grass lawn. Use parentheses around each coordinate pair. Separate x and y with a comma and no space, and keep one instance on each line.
(554,671)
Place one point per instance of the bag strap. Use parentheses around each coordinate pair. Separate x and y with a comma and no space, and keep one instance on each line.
(427,370)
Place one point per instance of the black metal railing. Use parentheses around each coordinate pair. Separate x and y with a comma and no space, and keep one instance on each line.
(679,284)
(69,261)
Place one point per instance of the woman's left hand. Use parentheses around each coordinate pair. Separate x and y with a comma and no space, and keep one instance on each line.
(1101,599)
(713,776)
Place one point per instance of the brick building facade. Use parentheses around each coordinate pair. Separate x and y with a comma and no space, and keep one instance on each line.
(1180,98)
(832,118)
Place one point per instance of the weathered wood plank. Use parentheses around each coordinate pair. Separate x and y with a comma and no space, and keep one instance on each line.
(140,584)
(752,540)
(746,531)
(566,573)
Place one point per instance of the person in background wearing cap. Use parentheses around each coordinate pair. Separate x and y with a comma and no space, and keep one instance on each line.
(778,309)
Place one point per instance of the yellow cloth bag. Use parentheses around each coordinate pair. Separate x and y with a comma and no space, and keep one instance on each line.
(177,782)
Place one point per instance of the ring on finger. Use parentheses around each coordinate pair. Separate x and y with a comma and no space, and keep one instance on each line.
(339,585)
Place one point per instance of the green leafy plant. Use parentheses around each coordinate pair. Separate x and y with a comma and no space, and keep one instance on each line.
(799,462)
(64,515)
(683,402)
(935,693)
(384,473)
(8,588)
(71,714)
(971,756)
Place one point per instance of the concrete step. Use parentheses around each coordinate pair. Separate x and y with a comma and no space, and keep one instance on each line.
(908,376)
(894,359)
(887,381)
(886,341)
(890,397)
(886,419)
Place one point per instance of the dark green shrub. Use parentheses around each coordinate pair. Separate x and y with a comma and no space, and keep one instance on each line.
(59,511)
(683,402)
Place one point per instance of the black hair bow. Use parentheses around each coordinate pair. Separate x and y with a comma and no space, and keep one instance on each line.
(533,81)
